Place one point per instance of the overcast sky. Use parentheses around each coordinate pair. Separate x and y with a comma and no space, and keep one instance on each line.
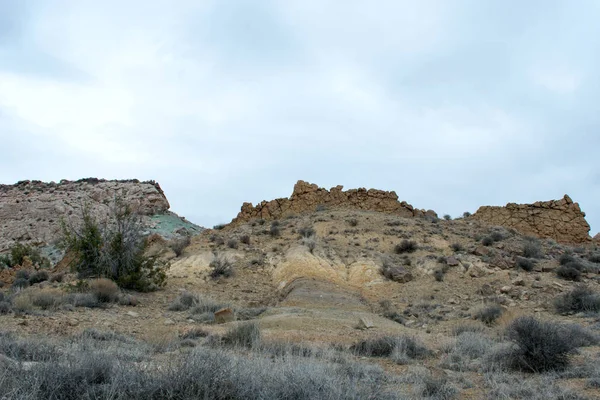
(452,104)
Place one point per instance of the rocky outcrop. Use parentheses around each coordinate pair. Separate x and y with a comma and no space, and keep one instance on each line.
(309,197)
(561,220)
(596,238)
(31,211)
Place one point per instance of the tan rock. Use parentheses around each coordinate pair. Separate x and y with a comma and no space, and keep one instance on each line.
(561,220)
(306,197)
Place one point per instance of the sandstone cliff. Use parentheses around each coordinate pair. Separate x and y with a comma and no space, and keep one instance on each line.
(31,211)
(306,197)
(561,220)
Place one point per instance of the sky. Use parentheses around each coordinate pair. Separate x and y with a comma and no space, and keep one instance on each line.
(453,104)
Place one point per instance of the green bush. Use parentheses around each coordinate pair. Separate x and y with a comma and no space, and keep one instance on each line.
(406,246)
(115,250)
(577,300)
(488,315)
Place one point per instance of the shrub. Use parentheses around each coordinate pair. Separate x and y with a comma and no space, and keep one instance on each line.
(115,250)
(5,261)
(580,299)
(184,302)
(20,283)
(405,246)
(457,247)
(232,244)
(352,222)
(447,217)
(178,245)
(466,214)
(47,299)
(274,231)
(594,257)
(394,316)
(243,335)
(59,277)
(22,274)
(218,227)
(88,300)
(525,264)
(566,259)
(488,315)
(568,273)
(438,274)
(309,242)
(496,236)
(540,346)
(532,249)
(487,241)
(105,290)
(306,232)
(4,307)
(38,277)
(401,348)
(221,265)
(245,239)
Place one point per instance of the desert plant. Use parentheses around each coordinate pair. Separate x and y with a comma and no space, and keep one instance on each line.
(115,249)
(400,347)
(20,283)
(46,299)
(466,214)
(306,232)
(566,259)
(22,274)
(525,264)
(532,249)
(405,246)
(185,301)
(568,273)
(489,314)
(218,227)
(38,277)
(179,244)
(438,274)
(5,261)
(242,335)
(274,231)
(232,244)
(540,346)
(58,277)
(457,247)
(105,290)
(487,241)
(580,299)
(245,239)
(594,257)
(310,243)
(352,222)
(447,217)
(221,265)
(5,307)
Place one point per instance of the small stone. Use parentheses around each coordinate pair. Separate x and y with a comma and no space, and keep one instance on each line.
(133,314)
(365,323)
(537,285)
(518,282)
(505,289)
(169,321)
(224,315)
(452,261)
(453,301)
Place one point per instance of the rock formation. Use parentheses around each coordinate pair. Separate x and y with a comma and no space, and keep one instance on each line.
(31,211)
(561,220)
(308,197)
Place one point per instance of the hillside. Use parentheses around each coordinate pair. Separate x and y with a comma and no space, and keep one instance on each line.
(406,304)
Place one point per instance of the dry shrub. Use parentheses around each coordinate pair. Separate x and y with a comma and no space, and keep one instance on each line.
(105,290)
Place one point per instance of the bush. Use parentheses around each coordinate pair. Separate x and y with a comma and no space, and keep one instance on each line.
(22,274)
(184,302)
(310,243)
(243,335)
(105,290)
(274,230)
(232,244)
(306,232)
(221,265)
(540,346)
(447,217)
(466,214)
(580,299)
(525,264)
(532,249)
(487,241)
(178,245)
(594,257)
(245,239)
(59,277)
(457,247)
(405,246)
(88,300)
(352,222)
(438,274)
(496,236)
(5,261)
(38,277)
(20,283)
(218,227)
(401,348)
(568,273)
(115,250)
(566,258)
(46,299)
(488,315)
(5,307)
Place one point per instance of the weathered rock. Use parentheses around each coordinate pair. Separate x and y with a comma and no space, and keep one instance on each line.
(365,323)
(306,197)
(561,220)
(451,261)
(596,238)
(398,274)
(31,211)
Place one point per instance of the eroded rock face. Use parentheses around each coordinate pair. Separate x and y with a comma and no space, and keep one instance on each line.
(308,197)
(31,211)
(561,220)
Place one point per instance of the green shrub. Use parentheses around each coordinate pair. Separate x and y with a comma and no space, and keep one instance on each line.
(221,265)
(20,283)
(568,273)
(487,241)
(306,232)
(5,307)
(179,244)
(38,277)
(245,239)
(242,335)
(447,217)
(525,264)
(488,315)
(532,249)
(232,244)
(566,258)
(115,250)
(105,290)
